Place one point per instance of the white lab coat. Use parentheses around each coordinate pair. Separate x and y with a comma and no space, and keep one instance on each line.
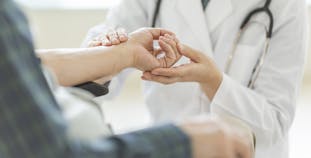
(268,109)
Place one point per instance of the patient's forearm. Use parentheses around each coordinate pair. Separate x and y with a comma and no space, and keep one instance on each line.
(76,66)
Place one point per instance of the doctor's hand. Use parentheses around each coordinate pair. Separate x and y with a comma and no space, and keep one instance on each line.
(202,69)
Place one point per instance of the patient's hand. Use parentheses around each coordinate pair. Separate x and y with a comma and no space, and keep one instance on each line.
(112,37)
(139,46)
(168,52)
(145,54)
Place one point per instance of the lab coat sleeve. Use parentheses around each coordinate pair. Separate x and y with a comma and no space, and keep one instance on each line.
(130,15)
(269,109)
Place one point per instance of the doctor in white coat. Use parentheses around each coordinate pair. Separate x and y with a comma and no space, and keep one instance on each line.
(269,106)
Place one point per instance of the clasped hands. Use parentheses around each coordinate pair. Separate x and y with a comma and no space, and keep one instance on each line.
(157,63)
(221,139)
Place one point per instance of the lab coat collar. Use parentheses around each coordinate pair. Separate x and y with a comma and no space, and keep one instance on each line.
(217,11)
(195,17)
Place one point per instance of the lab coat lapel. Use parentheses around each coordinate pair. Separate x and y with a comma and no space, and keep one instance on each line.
(225,8)
(217,11)
(195,17)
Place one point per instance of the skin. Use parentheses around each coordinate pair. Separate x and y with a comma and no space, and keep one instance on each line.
(110,38)
(167,43)
(76,66)
(210,137)
(202,69)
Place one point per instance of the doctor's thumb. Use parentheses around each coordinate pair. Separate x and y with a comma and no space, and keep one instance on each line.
(189,52)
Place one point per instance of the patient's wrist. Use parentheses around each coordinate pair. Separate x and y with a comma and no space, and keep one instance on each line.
(126,55)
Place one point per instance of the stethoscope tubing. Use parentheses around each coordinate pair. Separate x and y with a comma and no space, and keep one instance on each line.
(265,9)
(255,73)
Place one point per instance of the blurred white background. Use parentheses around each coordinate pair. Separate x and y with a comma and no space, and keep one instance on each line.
(64,23)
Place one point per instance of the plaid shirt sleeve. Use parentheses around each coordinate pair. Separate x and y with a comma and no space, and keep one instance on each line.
(31,124)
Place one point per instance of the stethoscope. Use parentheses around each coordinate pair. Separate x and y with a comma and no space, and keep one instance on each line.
(265,9)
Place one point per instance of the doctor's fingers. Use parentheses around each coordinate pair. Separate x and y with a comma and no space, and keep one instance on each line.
(185,73)
(160,79)
(170,72)
(191,53)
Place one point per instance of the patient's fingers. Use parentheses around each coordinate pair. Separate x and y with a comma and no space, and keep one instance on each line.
(105,41)
(169,45)
(166,47)
(113,37)
(169,52)
(109,39)
(170,40)
(122,35)
(94,43)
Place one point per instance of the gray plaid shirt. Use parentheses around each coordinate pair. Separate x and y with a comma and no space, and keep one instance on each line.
(31,123)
